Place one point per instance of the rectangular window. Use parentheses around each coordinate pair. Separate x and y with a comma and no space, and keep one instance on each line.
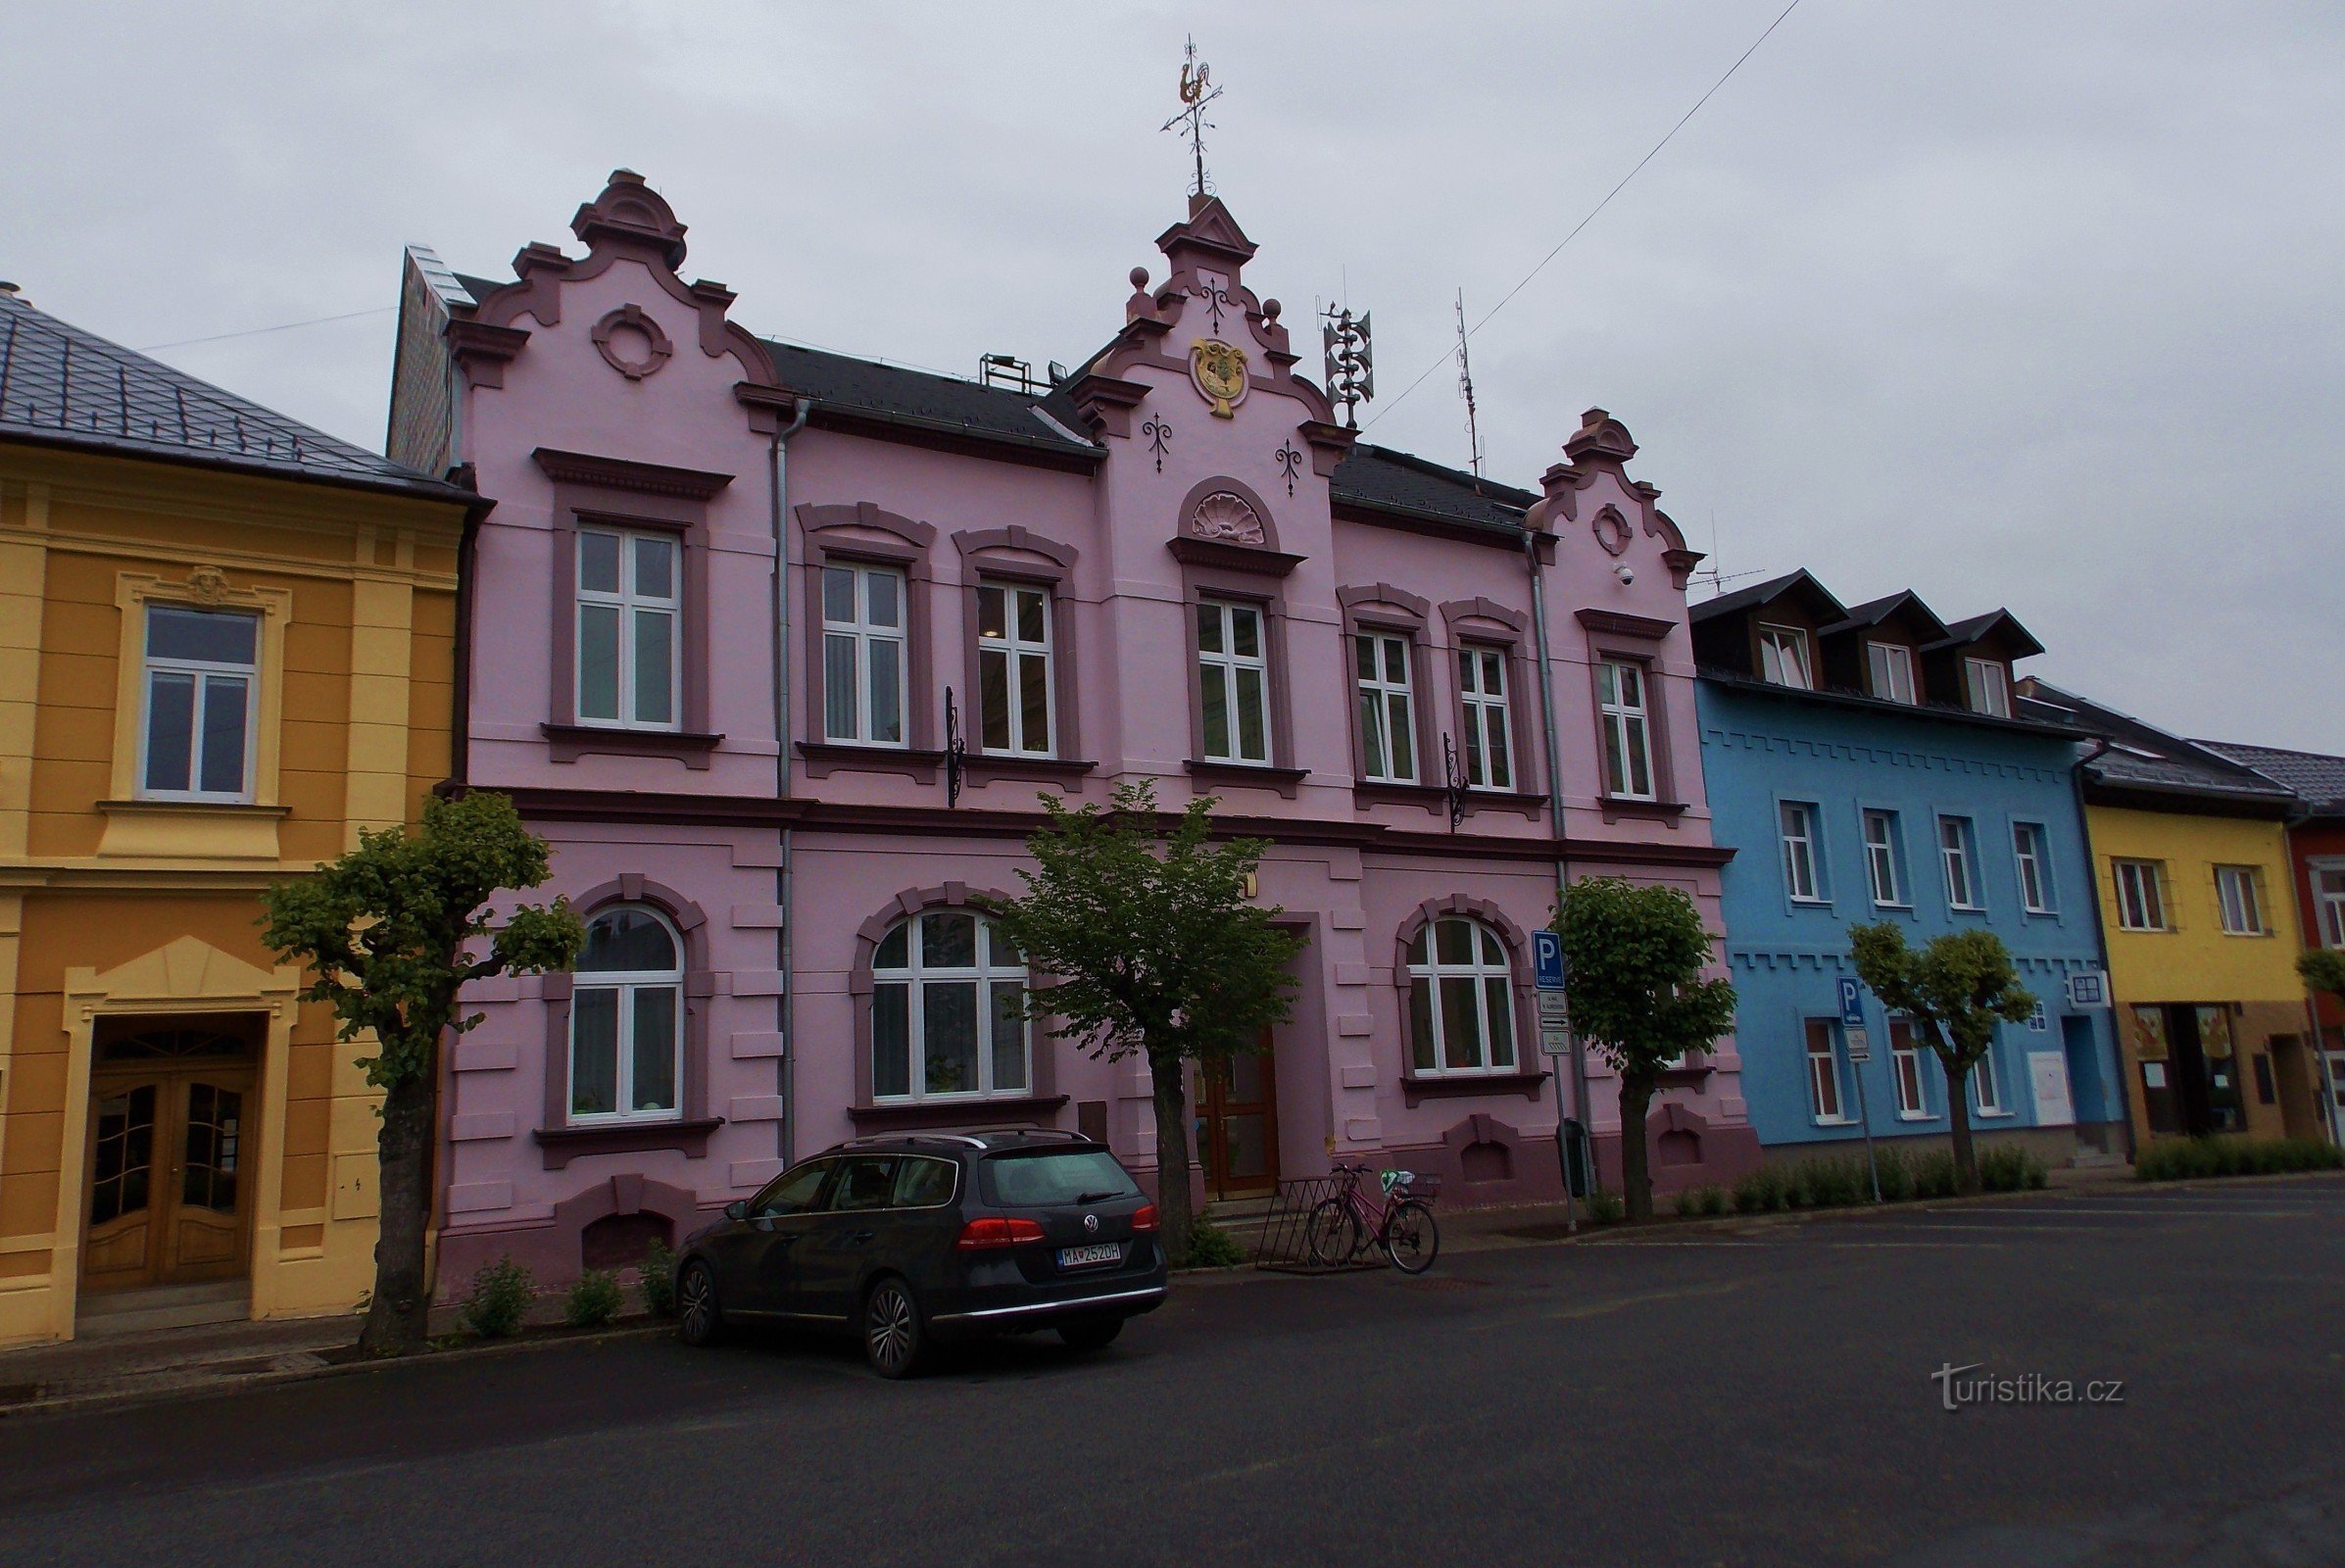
(862,654)
(1880,858)
(1954,849)
(1799,852)
(1905,1064)
(1987,1086)
(202,667)
(1017,708)
(1891,668)
(630,599)
(1489,748)
(2029,850)
(1988,685)
(2328,896)
(1628,737)
(1388,709)
(1784,658)
(2235,894)
(1823,1071)
(2141,896)
(1232,670)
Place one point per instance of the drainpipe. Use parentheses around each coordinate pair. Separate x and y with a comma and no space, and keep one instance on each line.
(786,1010)
(2325,1081)
(2100,941)
(1563,870)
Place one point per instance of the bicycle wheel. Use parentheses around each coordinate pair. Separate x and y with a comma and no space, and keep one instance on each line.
(1412,1240)
(1331,1235)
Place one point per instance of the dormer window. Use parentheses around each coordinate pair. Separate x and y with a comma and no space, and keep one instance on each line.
(1988,681)
(1890,669)
(1784,658)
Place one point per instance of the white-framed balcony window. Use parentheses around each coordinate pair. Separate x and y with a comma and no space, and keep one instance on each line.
(1387,707)
(1905,1068)
(1784,658)
(1954,852)
(2140,895)
(1460,1000)
(630,607)
(196,736)
(1628,729)
(2328,898)
(1890,668)
(862,654)
(627,1019)
(1232,670)
(1824,1104)
(2237,897)
(2033,860)
(1880,858)
(1017,705)
(1489,739)
(1986,1086)
(947,1011)
(1988,681)
(1801,875)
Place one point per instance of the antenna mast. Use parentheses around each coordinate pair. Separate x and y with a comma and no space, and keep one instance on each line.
(1465,386)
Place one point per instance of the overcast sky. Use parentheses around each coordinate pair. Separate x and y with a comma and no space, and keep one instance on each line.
(2012,304)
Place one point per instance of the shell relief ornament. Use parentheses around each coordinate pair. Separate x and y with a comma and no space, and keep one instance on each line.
(1226,515)
(1218,372)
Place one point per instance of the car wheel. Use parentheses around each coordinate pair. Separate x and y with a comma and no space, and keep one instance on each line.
(894,1336)
(699,1319)
(1090,1334)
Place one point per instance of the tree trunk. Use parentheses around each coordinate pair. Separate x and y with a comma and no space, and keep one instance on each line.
(1636,1181)
(398,1316)
(1168,1074)
(1958,1118)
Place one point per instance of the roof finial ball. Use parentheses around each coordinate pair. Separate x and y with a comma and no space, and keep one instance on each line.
(1139,277)
(1270,310)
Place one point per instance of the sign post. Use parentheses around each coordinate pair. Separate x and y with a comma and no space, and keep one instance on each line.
(1555,1044)
(1859,1040)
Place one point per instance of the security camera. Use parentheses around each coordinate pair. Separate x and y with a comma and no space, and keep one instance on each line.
(1625,573)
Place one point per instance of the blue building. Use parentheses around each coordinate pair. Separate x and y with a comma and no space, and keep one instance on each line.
(1873,763)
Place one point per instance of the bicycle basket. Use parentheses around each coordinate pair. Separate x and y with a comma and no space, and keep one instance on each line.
(1410,1183)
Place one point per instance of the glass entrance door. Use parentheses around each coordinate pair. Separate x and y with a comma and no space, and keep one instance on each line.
(1237,1124)
(169,1145)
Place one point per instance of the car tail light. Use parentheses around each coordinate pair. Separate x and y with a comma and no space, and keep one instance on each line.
(981,1234)
(1144,1219)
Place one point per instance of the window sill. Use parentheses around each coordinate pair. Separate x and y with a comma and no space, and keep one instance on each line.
(1435,798)
(913,1114)
(1254,559)
(189,830)
(1254,775)
(1809,904)
(569,741)
(825,757)
(984,769)
(1916,1115)
(1615,808)
(561,1145)
(1414,1090)
(1997,1115)
(1833,1121)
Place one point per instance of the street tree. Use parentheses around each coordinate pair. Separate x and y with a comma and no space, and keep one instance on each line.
(1151,947)
(390,932)
(1634,955)
(2323,969)
(1955,990)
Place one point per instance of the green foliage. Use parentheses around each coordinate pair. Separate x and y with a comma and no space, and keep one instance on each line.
(2323,969)
(1761,1191)
(2006,1168)
(1211,1246)
(1694,1201)
(501,1296)
(1896,1175)
(1715,1202)
(1934,1174)
(1606,1209)
(593,1300)
(1957,988)
(2170,1159)
(658,1285)
(386,929)
(1634,953)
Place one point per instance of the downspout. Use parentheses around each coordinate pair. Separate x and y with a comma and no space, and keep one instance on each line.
(2308,925)
(2100,940)
(785,1009)
(1563,870)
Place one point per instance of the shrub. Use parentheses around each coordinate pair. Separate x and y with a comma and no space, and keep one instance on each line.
(658,1283)
(1896,1175)
(501,1296)
(1606,1209)
(1714,1200)
(2184,1160)
(1934,1174)
(593,1300)
(1210,1247)
(2009,1170)
(1764,1190)
(1693,1200)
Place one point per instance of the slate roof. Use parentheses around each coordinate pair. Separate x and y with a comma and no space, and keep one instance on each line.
(1381,480)
(1970,629)
(2143,759)
(1761,593)
(2317,780)
(1873,611)
(63,386)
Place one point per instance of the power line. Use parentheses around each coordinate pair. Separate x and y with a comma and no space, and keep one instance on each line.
(1598,208)
(256,332)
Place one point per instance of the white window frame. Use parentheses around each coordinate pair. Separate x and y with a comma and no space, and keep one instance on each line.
(915,975)
(1482,689)
(1905,1072)
(1987,684)
(1986,1085)
(1890,669)
(630,604)
(1824,1074)
(1959,864)
(1425,965)
(1800,855)
(1777,641)
(2031,861)
(2140,887)
(203,673)
(1387,707)
(2240,901)
(1227,668)
(862,633)
(1622,691)
(1017,652)
(1880,858)
(627,983)
(2328,898)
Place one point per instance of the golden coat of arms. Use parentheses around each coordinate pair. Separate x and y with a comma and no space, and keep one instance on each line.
(1219,370)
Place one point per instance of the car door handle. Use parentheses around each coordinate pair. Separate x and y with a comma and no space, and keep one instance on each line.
(861,1236)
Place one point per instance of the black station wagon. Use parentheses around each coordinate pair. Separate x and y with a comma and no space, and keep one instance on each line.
(933,1236)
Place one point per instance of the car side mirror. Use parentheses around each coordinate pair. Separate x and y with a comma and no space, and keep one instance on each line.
(738,1208)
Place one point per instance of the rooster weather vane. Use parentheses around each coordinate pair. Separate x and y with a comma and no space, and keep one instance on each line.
(1196,91)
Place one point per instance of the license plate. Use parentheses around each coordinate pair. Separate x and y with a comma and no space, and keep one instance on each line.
(1090,1256)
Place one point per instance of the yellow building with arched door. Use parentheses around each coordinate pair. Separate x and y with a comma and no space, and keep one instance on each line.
(226,645)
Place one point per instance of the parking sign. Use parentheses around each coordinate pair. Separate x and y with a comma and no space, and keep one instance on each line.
(1852,1002)
(1547,961)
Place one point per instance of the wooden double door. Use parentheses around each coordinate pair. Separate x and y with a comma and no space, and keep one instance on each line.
(1238,1124)
(170,1146)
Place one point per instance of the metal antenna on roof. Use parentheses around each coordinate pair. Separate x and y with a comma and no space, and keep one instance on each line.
(1465,386)
(1350,361)
(1196,91)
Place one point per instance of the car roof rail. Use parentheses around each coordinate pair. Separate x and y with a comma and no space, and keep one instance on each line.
(964,1140)
(1034,1132)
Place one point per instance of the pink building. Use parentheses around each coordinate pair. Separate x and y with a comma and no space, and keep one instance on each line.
(731,588)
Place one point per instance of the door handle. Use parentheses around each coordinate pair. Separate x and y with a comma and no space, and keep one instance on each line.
(859,1237)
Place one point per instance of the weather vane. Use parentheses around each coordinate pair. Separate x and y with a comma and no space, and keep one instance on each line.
(1196,91)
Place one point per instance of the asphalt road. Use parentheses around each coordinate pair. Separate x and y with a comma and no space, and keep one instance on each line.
(1756,1397)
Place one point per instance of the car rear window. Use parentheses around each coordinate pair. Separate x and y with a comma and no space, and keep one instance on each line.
(1041,1177)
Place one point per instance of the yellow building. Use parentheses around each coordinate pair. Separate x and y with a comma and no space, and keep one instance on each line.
(2190,856)
(226,645)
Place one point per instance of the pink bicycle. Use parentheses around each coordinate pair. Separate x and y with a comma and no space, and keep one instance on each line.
(1347,1224)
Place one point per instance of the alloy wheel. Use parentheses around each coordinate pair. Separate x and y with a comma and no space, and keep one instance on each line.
(890,1329)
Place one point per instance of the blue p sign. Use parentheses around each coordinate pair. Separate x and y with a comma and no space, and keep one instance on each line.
(1546,959)
(1852,1002)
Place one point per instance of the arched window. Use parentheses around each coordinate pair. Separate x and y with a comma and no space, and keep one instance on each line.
(627,1018)
(1460,999)
(948,1020)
